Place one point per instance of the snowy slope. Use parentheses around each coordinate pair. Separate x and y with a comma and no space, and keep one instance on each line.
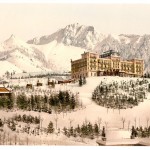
(5,65)
(21,55)
(59,55)
(91,111)
(26,57)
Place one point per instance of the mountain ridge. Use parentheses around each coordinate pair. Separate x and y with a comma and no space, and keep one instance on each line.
(50,52)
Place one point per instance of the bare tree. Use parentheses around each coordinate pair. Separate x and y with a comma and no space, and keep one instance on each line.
(19,141)
(0,139)
(139,122)
(147,121)
(10,141)
(56,121)
(15,138)
(106,124)
(123,122)
(27,140)
(8,138)
(99,122)
(70,122)
(135,122)
(4,135)
(128,124)
(41,120)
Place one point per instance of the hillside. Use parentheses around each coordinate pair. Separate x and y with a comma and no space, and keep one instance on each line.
(18,56)
(90,111)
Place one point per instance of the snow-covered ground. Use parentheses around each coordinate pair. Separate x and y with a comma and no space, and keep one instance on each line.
(111,119)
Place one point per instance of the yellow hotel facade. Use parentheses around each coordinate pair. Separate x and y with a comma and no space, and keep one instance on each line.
(108,63)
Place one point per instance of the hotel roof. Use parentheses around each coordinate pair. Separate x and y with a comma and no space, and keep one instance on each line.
(4,90)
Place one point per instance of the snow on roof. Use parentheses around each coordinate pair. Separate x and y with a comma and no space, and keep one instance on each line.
(118,142)
(118,134)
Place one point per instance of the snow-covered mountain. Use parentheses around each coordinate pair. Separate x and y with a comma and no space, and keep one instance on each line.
(54,52)
(129,46)
(17,55)
(74,34)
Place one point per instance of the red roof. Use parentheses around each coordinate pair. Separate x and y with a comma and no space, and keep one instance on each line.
(4,90)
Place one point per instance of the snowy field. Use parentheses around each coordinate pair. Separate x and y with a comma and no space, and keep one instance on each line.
(111,119)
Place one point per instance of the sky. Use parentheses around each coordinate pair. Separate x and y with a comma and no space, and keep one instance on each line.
(28,20)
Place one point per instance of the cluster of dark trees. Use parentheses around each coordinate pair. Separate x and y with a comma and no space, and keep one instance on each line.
(11,124)
(146,75)
(82,81)
(108,95)
(140,132)
(27,119)
(7,102)
(41,75)
(61,101)
(86,130)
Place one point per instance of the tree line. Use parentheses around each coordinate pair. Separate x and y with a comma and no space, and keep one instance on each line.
(140,132)
(86,130)
(27,119)
(63,100)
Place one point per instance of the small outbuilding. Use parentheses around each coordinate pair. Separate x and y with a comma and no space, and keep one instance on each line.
(39,84)
(29,86)
(4,91)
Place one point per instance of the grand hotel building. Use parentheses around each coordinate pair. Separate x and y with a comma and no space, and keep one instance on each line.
(108,63)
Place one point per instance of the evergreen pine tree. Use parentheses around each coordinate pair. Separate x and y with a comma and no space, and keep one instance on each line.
(24,118)
(71,131)
(51,100)
(65,130)
(36,120)
(19,118)
(32,102)
(13,126)
(89,128)
(72,102)
(22,102)
(78,129)
(67,98)
(11,101)
(103,132)
(84,130)
(1,123)
(50,128)
(80,81)
(61,97)
(53,84)
(96,130)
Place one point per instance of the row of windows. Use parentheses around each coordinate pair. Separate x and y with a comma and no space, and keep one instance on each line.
(93,74)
